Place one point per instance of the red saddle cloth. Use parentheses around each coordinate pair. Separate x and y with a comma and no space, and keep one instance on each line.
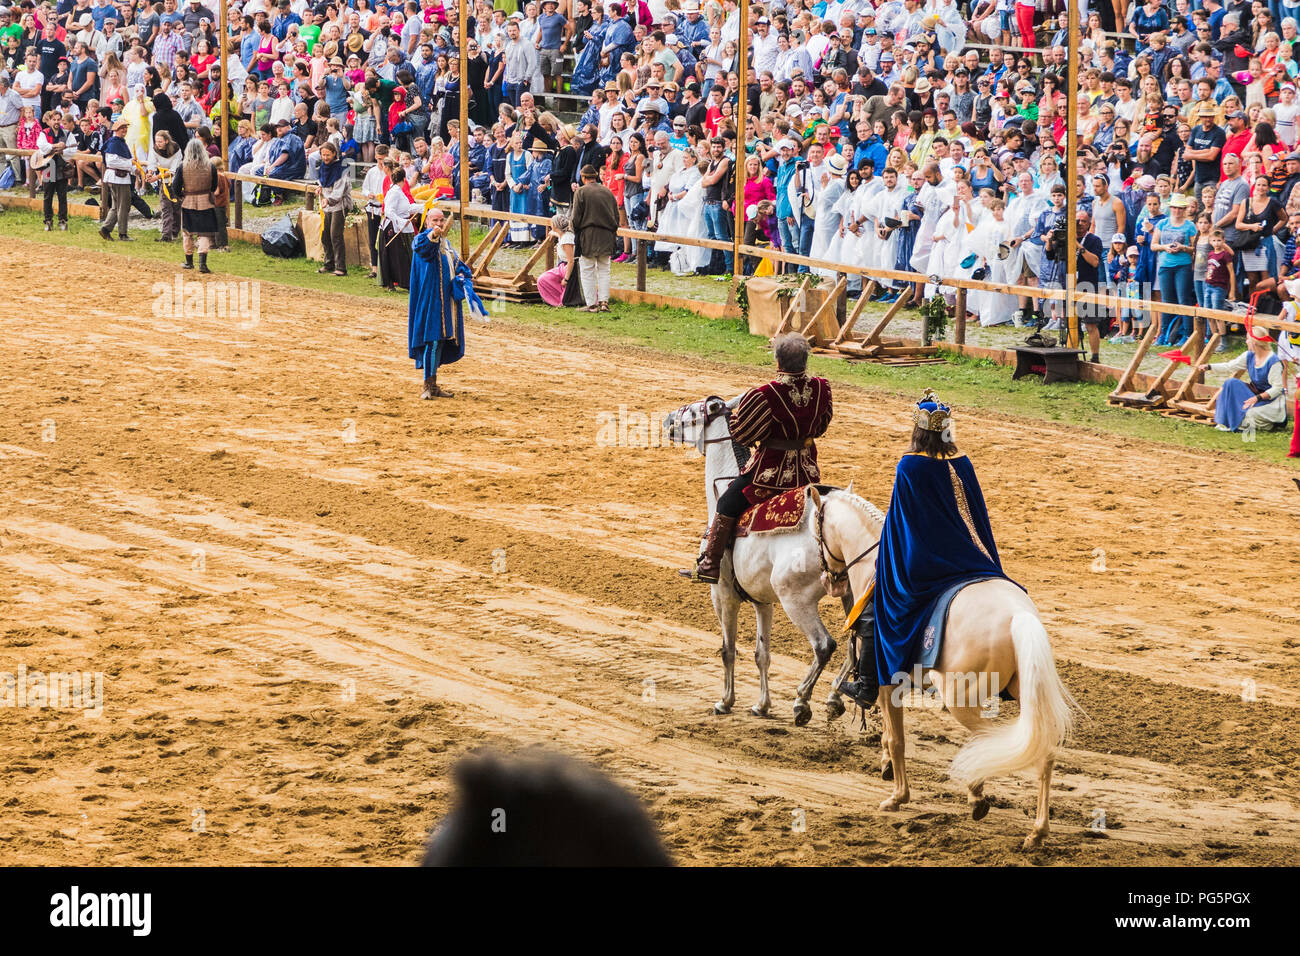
(781,513)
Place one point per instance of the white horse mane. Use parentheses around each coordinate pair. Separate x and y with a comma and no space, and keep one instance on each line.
(862,504)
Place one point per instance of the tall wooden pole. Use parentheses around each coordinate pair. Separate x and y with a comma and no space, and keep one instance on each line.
(223,44)
(462,10)
(738,233)
(1072,175)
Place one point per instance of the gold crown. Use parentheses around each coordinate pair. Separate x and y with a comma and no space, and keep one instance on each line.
(936,420)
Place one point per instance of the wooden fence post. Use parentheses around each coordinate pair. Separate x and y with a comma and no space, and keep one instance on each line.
(239,205)
(640,265)
(959,333)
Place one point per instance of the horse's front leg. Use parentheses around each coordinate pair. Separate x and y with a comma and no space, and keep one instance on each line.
(727,609)
(893,721)
(762,657)
(804,614)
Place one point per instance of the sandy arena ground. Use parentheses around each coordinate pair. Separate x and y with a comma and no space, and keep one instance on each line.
(300,633)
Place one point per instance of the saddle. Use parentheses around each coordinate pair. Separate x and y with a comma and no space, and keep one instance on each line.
(778,515)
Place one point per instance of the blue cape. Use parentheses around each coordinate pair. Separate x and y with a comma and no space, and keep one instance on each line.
(435,312)
(926,547)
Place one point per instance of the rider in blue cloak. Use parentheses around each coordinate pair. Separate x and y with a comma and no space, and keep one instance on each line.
(440,291)
(936,540)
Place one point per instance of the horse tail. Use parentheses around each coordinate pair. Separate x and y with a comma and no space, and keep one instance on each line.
(1046,712)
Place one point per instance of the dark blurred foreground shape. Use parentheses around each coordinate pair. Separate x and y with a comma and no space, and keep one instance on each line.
(540,809)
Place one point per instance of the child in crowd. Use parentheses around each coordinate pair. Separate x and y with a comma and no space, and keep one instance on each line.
(1118,273)
(1201,256)
(1220,276)
(1137,318)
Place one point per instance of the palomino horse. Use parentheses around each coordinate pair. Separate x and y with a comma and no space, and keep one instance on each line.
(993,641)
(786,568)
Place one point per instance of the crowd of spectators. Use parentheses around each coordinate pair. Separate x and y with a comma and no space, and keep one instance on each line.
(919,135)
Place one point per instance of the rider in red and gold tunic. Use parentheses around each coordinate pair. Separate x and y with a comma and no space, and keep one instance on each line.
(781,418)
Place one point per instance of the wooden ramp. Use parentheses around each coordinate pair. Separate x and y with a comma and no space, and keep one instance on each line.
(875,346)
(515,286)
(1183,403)
(1126,395)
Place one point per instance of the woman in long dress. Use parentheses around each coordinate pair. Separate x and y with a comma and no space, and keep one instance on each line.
(842,244)
(517,163)
(552,282)
(139,114)
(1260,398)
(395,234)
(949,236)
(684,216)
(538,180)
(988,242)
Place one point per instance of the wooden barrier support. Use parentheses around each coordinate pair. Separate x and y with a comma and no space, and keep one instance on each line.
(1183,404)
(853,316)
(1125,395)
(828,304)
(788,314)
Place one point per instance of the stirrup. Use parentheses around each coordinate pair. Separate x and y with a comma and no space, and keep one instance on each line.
(693,574)
(860,692)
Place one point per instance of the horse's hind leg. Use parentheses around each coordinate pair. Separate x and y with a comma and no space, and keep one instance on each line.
(1039,832)
(727,612)
(972,719)
(835,703)
(762,656)
(893,722)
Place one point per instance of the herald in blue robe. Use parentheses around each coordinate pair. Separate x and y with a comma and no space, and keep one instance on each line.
(435,324)
(926,547)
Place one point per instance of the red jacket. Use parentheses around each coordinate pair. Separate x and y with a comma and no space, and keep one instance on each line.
(792,410)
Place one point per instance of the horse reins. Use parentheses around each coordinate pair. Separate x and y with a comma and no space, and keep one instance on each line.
(836,576)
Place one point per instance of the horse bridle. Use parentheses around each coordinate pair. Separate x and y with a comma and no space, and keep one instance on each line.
(836,576)
(708,420)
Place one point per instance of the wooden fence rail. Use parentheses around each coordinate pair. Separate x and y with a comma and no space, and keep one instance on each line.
(482,212)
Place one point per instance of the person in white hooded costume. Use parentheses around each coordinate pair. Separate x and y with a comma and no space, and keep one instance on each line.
(684,217)
(828,213)
(877,243)
(934,199)
(989,243)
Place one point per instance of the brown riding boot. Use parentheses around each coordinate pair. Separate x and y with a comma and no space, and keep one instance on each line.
(715,544)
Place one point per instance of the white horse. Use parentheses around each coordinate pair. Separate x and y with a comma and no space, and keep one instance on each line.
(794,568)
(994,641)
